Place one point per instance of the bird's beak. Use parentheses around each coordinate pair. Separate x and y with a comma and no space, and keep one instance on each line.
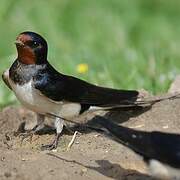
(19,43)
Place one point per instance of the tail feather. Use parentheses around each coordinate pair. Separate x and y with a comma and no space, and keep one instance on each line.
(137,101)
(105,97)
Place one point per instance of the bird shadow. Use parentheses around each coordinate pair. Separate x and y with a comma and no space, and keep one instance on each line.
(108,169)
(122,115)
(118,116)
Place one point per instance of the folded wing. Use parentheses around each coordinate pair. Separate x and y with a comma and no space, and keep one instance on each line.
(59,87)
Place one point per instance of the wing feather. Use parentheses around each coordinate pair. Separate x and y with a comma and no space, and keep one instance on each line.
(60,87)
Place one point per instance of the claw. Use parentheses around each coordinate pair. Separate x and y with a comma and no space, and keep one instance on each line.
(49,146)
(26,135)
(53,145)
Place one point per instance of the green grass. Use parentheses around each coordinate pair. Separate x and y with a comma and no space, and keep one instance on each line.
(127,44)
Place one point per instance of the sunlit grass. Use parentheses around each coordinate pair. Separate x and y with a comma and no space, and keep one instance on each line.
(125,44)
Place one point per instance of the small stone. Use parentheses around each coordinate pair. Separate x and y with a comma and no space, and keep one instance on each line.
(97,135)
(54,150)
(3,158)
(7,174)
(23,159)
(165,127)
(84,170)
(51,171)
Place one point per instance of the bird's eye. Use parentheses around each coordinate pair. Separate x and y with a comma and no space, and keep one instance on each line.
(32,44)
(35,43)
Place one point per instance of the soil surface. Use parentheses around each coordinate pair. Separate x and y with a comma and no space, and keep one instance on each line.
(93,155)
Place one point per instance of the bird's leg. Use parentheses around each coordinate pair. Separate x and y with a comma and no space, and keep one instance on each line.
(59,127)
(53,145)
(40,123)
(36,128)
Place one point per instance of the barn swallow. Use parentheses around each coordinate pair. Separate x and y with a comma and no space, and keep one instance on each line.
(160,150)
(42,89)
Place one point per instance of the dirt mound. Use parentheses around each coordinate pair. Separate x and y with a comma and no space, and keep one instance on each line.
(92,156)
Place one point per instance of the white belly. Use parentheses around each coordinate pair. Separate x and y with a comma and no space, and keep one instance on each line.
(35,101)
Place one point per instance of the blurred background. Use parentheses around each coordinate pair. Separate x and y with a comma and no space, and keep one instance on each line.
(114,43)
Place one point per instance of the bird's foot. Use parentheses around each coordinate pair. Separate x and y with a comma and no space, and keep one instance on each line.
(53,145)
(27,135)
(49,146)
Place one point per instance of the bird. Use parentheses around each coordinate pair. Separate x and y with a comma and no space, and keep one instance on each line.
(160,150)
(42,89)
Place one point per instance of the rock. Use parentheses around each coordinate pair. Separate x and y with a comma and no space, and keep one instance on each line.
(175,86)
(144,93)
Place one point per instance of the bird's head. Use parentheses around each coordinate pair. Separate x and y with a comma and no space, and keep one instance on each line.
(32,48)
